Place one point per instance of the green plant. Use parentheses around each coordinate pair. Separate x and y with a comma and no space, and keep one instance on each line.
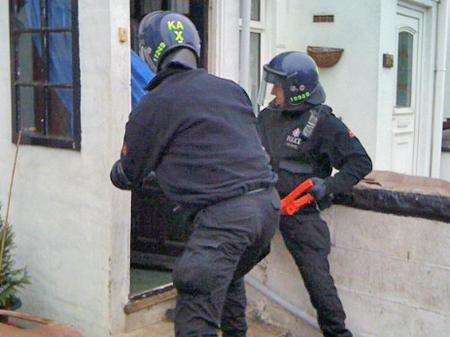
(11,279)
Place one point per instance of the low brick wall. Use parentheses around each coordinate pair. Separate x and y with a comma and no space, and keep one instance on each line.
(392,271)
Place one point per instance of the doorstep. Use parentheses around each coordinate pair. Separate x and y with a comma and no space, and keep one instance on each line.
(149,308)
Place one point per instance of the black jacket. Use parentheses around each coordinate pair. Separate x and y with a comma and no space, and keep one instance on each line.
(197,132)
(296,157)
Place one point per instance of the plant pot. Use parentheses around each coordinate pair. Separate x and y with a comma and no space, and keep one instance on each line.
(14,304)
(325,57)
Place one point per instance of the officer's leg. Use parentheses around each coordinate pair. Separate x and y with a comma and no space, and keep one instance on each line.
(308,239)
(204,273)
(233,322)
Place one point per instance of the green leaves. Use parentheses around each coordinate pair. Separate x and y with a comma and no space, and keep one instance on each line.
(11,279)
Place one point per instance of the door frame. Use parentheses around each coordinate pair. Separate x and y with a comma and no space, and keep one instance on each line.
(426,12)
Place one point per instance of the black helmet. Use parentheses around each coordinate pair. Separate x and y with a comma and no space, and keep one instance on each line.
(162,32)
(297,74)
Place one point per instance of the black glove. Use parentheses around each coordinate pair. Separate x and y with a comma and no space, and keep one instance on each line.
(119,178)
(319,191)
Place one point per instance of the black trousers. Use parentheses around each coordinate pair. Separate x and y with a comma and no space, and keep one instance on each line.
(228,240)
(308,240)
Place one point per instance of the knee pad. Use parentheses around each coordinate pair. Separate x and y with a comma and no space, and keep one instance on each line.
(193,277)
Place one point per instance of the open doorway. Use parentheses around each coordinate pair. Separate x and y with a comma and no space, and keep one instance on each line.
(158,233)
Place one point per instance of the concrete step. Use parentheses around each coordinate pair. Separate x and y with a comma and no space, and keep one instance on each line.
(165,329)
(274,314)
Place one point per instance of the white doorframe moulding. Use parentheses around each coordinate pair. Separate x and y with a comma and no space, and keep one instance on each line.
(443,12)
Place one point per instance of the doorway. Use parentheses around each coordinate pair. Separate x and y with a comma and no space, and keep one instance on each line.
(158,231)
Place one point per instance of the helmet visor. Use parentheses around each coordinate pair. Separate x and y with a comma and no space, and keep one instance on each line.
(264,91)
(270,77)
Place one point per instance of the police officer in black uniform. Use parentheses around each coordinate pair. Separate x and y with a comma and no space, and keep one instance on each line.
(197,134)
(305,140)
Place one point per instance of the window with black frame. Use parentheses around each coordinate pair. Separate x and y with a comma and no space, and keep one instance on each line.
(45,72)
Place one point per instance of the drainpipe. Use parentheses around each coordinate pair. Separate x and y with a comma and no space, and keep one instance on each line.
(289,307)
(244,61)
(443,12)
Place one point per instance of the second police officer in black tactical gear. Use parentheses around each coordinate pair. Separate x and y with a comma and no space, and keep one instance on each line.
(197,133)
(305,140)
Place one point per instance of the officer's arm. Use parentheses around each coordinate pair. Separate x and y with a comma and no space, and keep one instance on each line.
(262,132)
(127,171)
(346,154)
(145,138)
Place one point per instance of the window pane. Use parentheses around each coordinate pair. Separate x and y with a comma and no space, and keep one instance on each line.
(60,58)
(30,109)
(405,68)
(255,12)
(27,14)
(30,65)
(255,64)
(59,14)
(60,108)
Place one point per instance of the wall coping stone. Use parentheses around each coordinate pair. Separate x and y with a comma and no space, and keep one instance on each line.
(389,192)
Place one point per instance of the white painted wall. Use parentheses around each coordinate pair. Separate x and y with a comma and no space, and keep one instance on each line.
(386,85)
(391,272)
(447,82)
(72,226)
(117,115)
(445,158)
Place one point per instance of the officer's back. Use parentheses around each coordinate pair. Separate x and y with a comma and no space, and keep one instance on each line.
(210,149)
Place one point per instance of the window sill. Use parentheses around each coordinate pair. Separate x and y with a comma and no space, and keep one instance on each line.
(52,142)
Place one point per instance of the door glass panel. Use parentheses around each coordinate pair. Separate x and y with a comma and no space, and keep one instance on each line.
(405,69)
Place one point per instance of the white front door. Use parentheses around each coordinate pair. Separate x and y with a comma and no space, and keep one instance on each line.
(408,96)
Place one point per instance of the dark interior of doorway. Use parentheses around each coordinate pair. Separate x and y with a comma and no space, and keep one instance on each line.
(158,233)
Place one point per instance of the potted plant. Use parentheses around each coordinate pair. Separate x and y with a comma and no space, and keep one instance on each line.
(11,278)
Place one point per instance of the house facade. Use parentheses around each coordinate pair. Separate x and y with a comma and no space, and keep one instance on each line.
(65,82)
